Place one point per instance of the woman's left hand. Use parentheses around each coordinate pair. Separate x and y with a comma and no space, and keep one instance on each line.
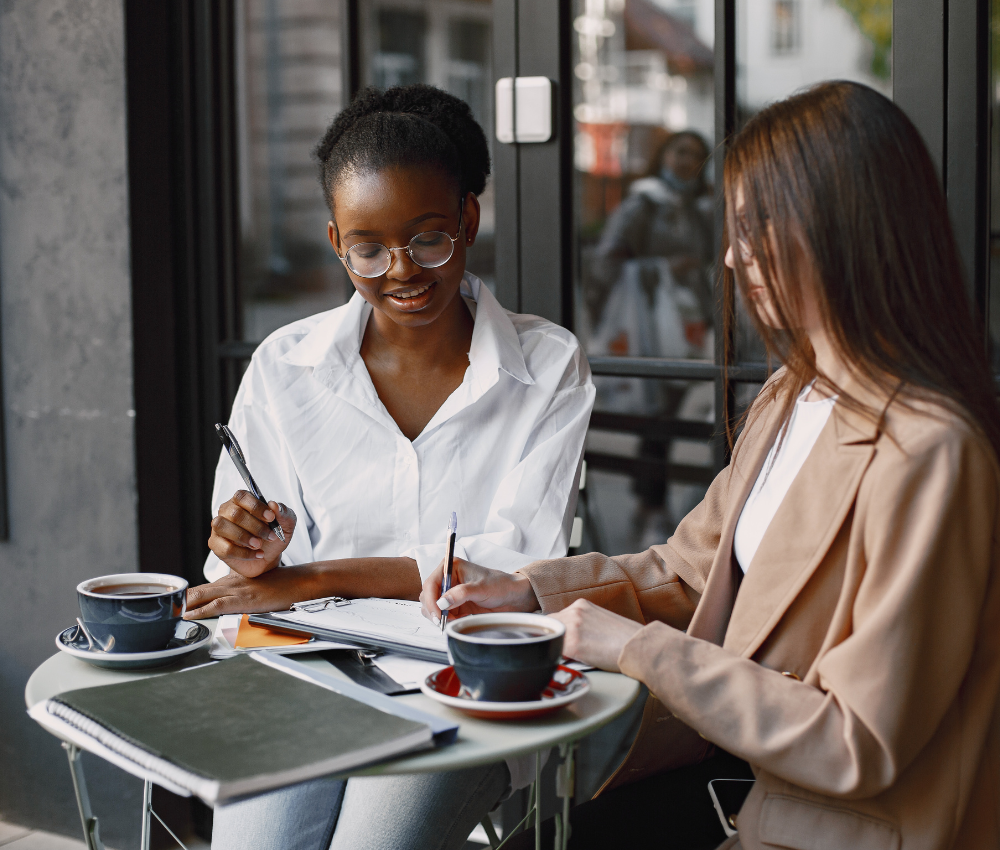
(595,635)
(275,590)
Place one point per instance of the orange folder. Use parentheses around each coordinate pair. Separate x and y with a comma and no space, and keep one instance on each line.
(251,636)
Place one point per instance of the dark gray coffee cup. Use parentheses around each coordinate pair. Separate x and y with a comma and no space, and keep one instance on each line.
(505,669)
(142,620)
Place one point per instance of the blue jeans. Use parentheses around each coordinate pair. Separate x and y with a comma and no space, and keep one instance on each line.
(434,811)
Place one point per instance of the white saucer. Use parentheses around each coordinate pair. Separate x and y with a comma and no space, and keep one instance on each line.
(73,643)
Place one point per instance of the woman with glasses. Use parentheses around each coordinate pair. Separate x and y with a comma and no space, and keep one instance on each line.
(371,423)
(819,636)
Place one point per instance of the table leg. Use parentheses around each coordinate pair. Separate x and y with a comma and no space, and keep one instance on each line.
(147,810)
(91,834)
(538,800)
(565,788)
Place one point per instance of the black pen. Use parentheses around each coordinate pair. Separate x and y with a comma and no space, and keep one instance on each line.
(229,441)
(452,533)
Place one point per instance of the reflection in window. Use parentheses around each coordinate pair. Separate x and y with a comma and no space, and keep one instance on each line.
(645,473)
(446,43)
(644,122)
(785,27)
(644,110)
(468,72)
(783,45)
(684,10)
(399,60)
(289,88)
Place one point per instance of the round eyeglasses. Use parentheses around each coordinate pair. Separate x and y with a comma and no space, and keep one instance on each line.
(428,250)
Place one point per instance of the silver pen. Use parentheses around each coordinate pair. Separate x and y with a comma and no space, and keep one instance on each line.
(236,454)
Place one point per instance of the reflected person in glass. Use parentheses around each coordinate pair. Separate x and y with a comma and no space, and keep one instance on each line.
(373,422)
(650,295)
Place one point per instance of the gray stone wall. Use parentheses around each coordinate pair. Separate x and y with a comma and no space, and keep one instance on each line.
(65,337)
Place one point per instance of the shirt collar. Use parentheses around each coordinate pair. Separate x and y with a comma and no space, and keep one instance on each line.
(495,343)
(334,344)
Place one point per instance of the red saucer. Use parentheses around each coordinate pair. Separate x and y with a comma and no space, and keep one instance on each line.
(566,687)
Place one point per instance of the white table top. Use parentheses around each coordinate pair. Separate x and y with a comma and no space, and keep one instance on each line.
(479,741)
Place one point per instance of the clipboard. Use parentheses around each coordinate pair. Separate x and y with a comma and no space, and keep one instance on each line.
(320,618)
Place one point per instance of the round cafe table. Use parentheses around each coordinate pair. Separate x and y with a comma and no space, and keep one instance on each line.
(479,741)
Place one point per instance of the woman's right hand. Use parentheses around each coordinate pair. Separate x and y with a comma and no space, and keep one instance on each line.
(241,538)
(476,590)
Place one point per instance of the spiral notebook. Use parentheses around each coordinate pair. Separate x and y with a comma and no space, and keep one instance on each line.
(239,727)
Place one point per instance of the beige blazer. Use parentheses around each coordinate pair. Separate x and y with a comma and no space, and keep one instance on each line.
(858,668)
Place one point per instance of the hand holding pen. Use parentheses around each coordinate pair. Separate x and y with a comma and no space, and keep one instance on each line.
(249,533)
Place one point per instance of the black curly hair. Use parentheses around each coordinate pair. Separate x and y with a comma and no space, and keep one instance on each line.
(405,126)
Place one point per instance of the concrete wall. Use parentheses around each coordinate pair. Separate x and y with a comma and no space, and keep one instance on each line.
(65,337)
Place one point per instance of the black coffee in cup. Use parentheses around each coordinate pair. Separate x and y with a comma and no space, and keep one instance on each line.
(507,631)
(505,657)
(147,589)
(132,612)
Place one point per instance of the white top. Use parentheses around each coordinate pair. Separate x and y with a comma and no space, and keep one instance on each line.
(807,420)
(503,451)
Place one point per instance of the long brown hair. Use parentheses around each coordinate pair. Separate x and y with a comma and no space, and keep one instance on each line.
(838,178)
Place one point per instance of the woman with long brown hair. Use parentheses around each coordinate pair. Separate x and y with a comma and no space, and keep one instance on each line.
(824,622)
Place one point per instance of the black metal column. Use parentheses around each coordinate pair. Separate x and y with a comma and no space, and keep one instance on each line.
(725,126)
(531,38)
(506,165)
(919,37)
(967,140)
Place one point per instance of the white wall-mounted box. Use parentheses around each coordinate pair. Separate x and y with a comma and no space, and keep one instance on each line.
(534,109)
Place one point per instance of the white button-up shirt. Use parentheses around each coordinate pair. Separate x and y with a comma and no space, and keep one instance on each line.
(503,451)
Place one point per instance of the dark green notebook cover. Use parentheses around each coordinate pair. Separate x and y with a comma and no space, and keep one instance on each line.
(239,720)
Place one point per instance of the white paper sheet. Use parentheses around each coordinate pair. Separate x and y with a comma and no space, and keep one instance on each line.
(409,672)
(396,619)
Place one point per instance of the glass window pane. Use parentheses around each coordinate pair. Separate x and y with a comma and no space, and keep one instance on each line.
(644,124)
(643,98)
(448,44)
(290,86)
(645,472)
(785,45)
(399,58)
